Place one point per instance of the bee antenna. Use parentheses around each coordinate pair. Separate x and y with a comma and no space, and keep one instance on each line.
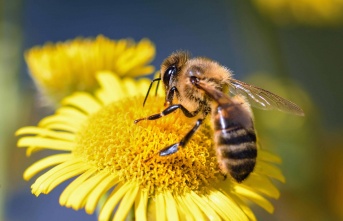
(147,94)
(158,84)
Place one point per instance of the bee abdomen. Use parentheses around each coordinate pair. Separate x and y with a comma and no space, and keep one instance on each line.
(237,152)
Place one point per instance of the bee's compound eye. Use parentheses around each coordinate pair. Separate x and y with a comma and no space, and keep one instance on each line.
(168,74)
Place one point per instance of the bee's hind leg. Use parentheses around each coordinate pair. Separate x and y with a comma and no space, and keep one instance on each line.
(175,147)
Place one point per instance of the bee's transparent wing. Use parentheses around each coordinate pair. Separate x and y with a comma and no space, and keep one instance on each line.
(263,99)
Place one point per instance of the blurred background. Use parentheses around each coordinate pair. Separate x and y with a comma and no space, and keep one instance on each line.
(293,48)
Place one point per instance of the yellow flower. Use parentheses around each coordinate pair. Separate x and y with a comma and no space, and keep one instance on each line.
(99,144)
(306,12)
(65,67)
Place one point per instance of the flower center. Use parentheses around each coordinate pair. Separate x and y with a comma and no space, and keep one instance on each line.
(111,141)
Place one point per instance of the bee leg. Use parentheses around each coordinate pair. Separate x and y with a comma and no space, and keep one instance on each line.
(167,111)
(175,147)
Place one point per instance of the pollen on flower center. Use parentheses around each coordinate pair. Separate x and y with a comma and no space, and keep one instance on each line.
(111,141)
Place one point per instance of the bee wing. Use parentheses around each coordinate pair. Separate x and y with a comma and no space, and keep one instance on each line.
(220,97)
(263,99)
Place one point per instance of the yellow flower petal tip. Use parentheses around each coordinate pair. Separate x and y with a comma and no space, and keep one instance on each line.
(65,67)
(116,165)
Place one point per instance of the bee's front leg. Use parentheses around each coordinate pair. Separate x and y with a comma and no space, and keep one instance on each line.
(167,111)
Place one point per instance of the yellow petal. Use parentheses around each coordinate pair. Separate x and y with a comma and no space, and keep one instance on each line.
(203,205)
(142,70)
(78,197)
(130,86)
(269,170)
(126,203)
(46,143)
(62,127)
(225,206)
(57,119)
(32,149)
(256,198)
(98,191)
(244,207)
(141,206)
(261,184)
(112,201)
(45,163)
(269,157)
(39,185)
(74,185)
(83,101)
(46,133)
(111,87)
(186,211)
(172,213)
(62,176)
(71,112)
(160,206)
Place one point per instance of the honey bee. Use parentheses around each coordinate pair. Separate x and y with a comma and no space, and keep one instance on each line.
(199,87)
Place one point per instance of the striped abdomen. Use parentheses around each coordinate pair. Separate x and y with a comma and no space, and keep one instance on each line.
(235,140)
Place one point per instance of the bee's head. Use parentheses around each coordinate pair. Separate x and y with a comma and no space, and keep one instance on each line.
(170,69)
